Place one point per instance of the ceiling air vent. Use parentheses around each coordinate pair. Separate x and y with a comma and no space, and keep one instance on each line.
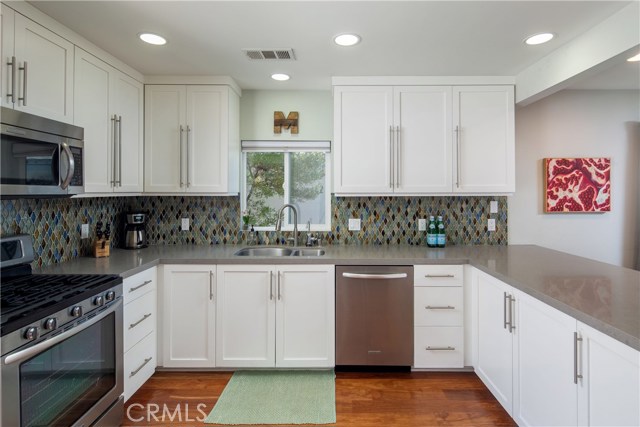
(273,54)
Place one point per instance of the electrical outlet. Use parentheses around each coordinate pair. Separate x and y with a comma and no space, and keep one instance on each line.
(491,224)
(354,224)
(84,231)
(422,224)
(493,206)
(185,224)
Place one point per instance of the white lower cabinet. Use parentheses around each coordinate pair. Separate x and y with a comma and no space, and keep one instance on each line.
(282,316)
(188,323)
(140,314)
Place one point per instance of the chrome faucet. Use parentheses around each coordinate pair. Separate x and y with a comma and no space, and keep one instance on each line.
(295,221)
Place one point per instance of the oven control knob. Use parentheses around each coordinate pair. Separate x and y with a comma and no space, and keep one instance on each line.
(76,311)
(99,301)
(110,296)
(31,333)
(50,324)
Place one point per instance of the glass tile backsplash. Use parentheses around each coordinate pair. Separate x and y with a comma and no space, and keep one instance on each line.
(55,223)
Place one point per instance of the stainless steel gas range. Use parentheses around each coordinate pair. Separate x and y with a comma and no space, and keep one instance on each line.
(61,344)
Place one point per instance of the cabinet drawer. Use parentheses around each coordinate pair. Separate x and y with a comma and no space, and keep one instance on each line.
(139,364)
(139,319)
(438,306)
(437,275)
(439,347)
(139,284)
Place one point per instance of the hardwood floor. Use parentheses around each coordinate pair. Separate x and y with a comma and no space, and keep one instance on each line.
(362,399)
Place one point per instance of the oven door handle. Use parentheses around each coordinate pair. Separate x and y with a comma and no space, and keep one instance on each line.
(40,347)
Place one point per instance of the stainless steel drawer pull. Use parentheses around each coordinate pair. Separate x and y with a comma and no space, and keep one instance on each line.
(375,276)
(133,373)
(438,276)
(12,64)
(576,375)
(133,325)
(447,348)
(440,307)
(145,283)
(374,351)
(24,84)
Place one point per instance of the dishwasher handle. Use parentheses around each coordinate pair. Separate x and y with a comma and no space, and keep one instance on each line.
(375,276)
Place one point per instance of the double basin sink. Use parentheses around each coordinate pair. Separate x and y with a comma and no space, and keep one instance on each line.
(279,252)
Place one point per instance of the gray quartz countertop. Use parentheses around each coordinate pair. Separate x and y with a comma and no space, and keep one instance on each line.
(603,296)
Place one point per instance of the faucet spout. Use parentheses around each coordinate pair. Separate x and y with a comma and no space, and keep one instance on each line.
(295,221)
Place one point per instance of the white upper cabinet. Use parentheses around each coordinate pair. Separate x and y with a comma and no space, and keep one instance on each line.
(37,68)
(191,139)
(484,139)
(109,108)
(423,139)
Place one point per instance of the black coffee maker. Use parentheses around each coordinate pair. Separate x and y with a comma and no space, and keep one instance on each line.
(135,232)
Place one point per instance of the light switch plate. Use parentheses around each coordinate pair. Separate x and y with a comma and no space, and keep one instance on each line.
(422,224)
(84,231)
(491,224)
(185,224)
(354,224)
(493,206)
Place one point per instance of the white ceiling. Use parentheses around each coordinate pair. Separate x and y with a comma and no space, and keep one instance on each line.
(437,38)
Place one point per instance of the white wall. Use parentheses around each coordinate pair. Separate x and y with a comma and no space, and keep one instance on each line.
(575,123)
(315,110)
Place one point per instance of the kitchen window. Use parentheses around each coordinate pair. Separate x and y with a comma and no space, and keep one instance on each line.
(280,172)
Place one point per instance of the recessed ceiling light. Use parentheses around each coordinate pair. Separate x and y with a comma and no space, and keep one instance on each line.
(152,39)
(634,58)
(347,39)
(280,77)
(538,38)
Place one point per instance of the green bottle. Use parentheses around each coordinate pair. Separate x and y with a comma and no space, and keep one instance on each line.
(441,237)
(432,239)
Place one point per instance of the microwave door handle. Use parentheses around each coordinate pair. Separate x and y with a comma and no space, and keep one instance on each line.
(71,164)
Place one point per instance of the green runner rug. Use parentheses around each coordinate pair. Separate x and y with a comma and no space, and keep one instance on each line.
(277,397)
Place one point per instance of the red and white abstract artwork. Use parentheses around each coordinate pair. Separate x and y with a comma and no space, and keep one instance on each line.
(577,185)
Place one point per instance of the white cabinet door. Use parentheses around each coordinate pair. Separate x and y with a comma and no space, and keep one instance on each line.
(305,316)
(7,21)
(544,388)
(609,391)
(188,316)
(45,82)
(494,353)
(245,322)
(128,106)
(207,139)
(92,97)
(165,115)
(363,133)
(483,117)
(422,120)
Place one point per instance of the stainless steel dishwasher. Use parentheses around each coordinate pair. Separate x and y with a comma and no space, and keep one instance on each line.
(374,315)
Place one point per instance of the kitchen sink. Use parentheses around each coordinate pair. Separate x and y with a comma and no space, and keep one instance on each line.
(279,252)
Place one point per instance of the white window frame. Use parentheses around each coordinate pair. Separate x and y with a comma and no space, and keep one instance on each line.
(287,147)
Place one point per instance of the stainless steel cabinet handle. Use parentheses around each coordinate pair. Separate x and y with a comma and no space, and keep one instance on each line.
(576,375)
(271,286)
(375,276)
(440,307)
(512,309)
(181,132)
(504,310)
(144,317)
(188,165)
(113,140)
(447,348)
(390,156)
(433,276)
(12,64)
(147,360)
(135,288)
(71,164)
(398,156)
(24,84)
(119,151)
(458,155)
(279,285)
(211,285)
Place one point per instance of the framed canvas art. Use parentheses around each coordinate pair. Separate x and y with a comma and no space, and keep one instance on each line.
(577,185)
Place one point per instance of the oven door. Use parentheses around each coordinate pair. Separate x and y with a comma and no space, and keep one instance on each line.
(70,379)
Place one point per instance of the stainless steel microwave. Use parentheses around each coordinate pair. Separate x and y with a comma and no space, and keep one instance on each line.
(40,157)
